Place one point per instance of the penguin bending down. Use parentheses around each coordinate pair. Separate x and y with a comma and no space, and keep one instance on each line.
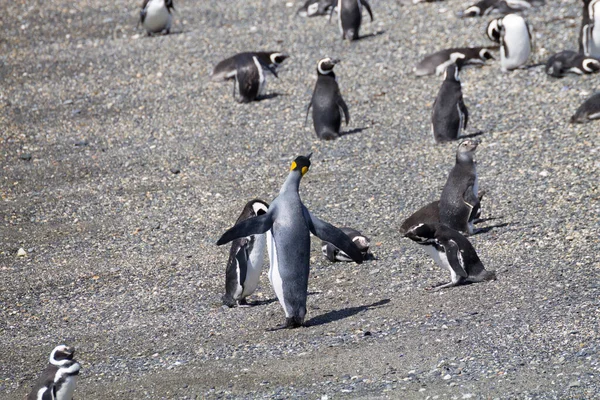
(59,379)
(245,259)
(350,17)
(450,115)
(514,36)
(313,8)
(248,72)
(326,102)
(289,224)
(459,203)
(436,63)
(451,251)
(334,254)
(589,110)
(589,36)
(567,61)
(503,7)
(156,17)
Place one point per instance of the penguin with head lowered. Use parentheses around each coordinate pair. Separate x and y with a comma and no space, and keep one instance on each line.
(289,224)
(589,110)
(567,61)
(59,379)
(450,116)
(451,251)
(245,259)
(589,35)
(334,254)
(436,63)
(350,17)
(327,102)
(313,8)
(503,7)
(514,36)
(156,16)
(248,72)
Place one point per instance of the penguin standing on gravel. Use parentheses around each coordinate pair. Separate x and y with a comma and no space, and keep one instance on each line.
(248,72)
(350,17)
(327,102)
(459,202)
(59,379)
(451,251)
(334,254)
(567,61)
(289,224)
(156,16)
(245,259)
(514,36)
(589,110)
(450,115)
(436,63)
(589,36)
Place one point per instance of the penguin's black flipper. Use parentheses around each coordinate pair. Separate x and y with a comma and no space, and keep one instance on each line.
(368,7)
(464,111)
(251,226)
(455,258)
(469,197)
(344,108)
(143,12)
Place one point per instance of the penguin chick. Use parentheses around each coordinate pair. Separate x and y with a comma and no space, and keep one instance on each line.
(560,64)
(514,35)
(334,254)
(326,102)
(589,110)
(452,252)
(449,116)
(59,379)
(313,8)
(156,16)
(350,17)
(248,72)
(436,63)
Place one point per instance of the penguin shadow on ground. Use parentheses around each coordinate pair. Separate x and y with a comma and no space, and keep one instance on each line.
(264,302)
(353,131)
(470,135)
(488,228)
(370,35)
(336,315)
(268,96)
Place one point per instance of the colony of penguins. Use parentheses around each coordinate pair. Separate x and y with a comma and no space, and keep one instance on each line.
(283,227)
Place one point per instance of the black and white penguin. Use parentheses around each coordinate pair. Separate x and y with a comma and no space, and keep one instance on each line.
(288,224)
(436,63)
(502,7)
(450,116)
(514,36)
(560,64)
(313,8)
(248,71)
(589,110)
(327,102)
(350,17)
(245,259)
(333,254)
(59,379)
(589,35)
(156,16)
(451,251)
(459,203)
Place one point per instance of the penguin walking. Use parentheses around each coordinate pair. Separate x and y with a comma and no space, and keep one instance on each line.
(350,17)
(289,224)
(560,64)
(436,63)
(450,115)
(589,110)
(248,72)
(589,35)
(451,251)
(514,36)
(59,379)
(333,254)
(326,102)
(459,203)
(245,259)
(156,16)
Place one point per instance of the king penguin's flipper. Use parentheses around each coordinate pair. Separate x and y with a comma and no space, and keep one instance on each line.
(252,226)
(344,108)
(455,258)
(333,235)
(368,7)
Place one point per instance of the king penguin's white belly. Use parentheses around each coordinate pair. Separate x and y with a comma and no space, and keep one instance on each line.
(67,389)
(274,275)
(158,18)
(255,262)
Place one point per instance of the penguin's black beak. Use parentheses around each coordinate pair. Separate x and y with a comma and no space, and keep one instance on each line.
(335,61)
(309,154)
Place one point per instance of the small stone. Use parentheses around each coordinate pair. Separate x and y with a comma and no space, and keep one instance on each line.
(544,173)
(175,170)
(422,390)
(81,143)
(575,384)
(25,156)
(467,395)
(447,376)
(67,102)
(21,252)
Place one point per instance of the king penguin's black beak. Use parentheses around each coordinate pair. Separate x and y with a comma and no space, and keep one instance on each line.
(309,154)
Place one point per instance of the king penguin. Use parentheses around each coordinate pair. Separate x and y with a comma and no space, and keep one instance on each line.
(156,16)
(245,259)
(350,17)
(589,110)
(459,202)
(567,61)
(450,115)
(326,102)
(334,254)
(59,379)
(451,251)
(248,72)
(589,36)
(514,36)
(289,224)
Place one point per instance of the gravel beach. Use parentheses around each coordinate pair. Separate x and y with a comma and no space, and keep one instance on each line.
(122,164)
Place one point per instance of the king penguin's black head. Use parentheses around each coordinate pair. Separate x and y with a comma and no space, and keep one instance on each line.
(325,66)
(422,233)
(301,163)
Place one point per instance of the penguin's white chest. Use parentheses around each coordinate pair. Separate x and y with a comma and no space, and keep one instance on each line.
(274,274)
(441,259)
(158,17)
(67,389)
(262,79)
(594,46)
(255,261)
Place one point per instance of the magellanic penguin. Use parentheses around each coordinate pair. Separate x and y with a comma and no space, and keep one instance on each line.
(451,251)
(289,224)
(459,202)
(589,110)
(560,64)
(333,254)
(514,36)
(156,16)
(589,36)
(327,102)
(59,379)
(313,8)
(245,259)
(350,17)
(502,7)
(248,72)
(436,63)
(450,115)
